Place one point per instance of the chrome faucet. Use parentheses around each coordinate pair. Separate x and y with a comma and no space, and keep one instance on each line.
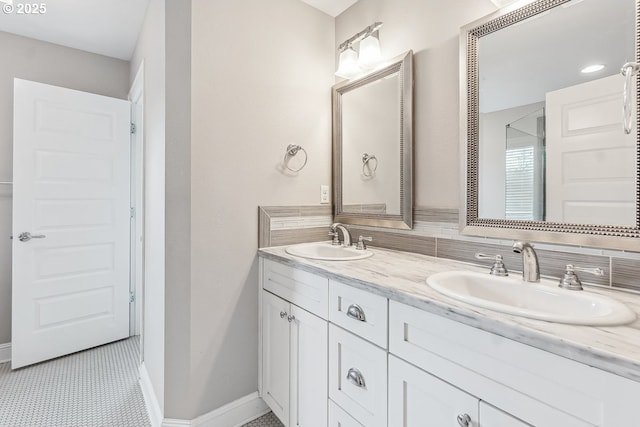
(346,235)
(530,267)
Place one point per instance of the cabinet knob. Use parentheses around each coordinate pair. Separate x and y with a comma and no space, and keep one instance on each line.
(355,377)
(283,314)
(356,312)
(291,318)
(464,420)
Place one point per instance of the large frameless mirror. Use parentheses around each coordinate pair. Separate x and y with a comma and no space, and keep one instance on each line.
(372,147)
(543,97)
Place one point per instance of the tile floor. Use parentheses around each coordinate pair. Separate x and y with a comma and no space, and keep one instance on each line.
(267,420)
(93,388)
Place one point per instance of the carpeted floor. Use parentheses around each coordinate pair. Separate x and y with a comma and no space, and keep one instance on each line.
(93,388)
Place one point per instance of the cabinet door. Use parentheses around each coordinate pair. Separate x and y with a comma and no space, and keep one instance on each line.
(309,358)
(275,355)
(493,417)
(419,399)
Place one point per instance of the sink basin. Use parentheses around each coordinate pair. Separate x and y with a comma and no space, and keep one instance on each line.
(328,252)
(542,301)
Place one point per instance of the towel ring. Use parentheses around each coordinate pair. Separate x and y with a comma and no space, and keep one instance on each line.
(292,150)
(628,71)
(366,158)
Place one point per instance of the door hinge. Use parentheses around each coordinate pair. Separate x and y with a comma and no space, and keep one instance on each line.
(133,128)
(132,212)
(132,297)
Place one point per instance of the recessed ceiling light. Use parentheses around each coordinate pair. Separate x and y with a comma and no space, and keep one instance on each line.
(592,68)
(502,3)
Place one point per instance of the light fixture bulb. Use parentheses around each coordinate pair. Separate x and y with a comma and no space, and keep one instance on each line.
(592,68)
(348,66)
(369,52)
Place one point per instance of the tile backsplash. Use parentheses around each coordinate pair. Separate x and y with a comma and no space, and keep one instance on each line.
(435,233)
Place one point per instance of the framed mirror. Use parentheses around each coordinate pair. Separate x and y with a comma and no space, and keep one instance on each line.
(546,156)
(373,147)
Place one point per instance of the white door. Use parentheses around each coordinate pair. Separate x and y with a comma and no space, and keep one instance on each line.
(417,398)
(309,364)
(71,193)
(591,162)
(275,355)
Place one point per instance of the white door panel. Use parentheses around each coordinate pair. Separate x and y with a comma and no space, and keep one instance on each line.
(71,184)
(591,162)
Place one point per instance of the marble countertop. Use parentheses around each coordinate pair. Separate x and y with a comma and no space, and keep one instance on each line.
(401,276)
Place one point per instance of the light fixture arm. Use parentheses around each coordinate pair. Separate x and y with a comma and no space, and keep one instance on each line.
(359,36)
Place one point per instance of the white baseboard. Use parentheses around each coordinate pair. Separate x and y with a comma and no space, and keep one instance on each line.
(150,398)
(5,352)
(233,414)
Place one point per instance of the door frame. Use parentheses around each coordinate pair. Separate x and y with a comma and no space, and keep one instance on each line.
(136,97)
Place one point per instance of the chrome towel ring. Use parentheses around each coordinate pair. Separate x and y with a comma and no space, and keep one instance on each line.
(628,70)
(292,151)
(366,158)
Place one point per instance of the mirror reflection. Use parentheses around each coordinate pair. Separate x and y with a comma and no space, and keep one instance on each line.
(551,140)
(370,157)
(373,146)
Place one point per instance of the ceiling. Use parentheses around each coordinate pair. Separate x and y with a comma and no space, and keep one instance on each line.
(331,7)
(519,64)
(108,28)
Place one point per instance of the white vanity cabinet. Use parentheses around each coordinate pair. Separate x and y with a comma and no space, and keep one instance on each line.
(294,348)
(342,356)
(529,384)
(418,399)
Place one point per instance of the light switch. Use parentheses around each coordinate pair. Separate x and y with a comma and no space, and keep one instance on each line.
(324,194)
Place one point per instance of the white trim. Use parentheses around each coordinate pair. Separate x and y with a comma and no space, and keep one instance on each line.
(136,97)
(150,398)
(234,414)
(5,352)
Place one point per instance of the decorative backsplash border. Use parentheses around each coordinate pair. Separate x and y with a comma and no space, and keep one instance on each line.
(435,233)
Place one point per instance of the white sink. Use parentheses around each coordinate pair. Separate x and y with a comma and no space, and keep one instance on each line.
(328,252)
(543,301)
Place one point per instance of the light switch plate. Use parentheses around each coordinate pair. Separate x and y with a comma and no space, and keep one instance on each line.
(324,194)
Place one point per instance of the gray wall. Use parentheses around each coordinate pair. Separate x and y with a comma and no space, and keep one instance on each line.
(56,65)
(151,50)
(236,92)
(261,79)
(431,29)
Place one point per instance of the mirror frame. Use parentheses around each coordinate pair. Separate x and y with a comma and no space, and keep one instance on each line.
(403,65)
(591,235)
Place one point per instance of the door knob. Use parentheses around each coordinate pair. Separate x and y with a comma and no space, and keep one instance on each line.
(26,236)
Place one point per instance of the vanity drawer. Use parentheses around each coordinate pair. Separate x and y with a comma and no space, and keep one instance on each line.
(358,377)
(536,386)
(304,289)
(339,418)
(359,311)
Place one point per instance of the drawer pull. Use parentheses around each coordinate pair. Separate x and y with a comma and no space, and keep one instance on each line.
(355,377)
(464,420)
(283,314)
(356,312)
(291,318)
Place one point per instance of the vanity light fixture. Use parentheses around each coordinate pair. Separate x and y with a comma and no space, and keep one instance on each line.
(369,51)
(592,68)
(349,63)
